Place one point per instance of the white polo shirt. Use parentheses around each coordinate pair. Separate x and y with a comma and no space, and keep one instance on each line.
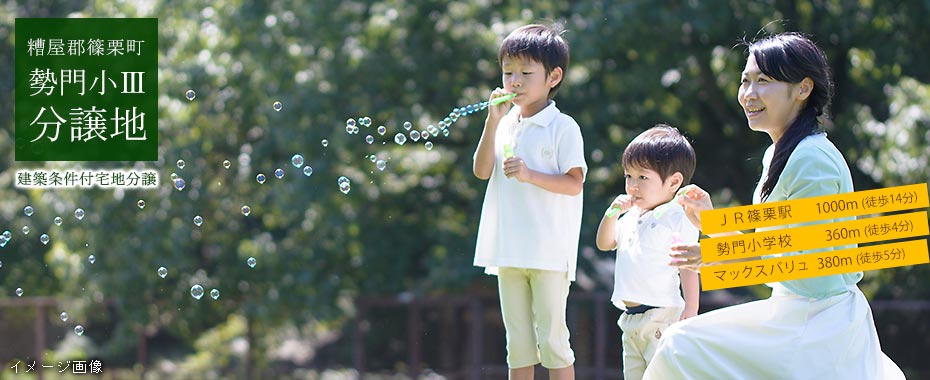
(522,225)
(642,273)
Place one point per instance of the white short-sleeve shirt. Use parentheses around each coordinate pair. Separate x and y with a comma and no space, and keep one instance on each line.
(642,273)
(522,225)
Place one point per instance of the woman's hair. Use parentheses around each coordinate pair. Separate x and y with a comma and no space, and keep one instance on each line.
(791,57)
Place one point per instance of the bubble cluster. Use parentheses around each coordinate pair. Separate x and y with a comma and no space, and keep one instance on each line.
(345,185)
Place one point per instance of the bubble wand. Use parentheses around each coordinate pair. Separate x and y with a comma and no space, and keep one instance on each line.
(659,210)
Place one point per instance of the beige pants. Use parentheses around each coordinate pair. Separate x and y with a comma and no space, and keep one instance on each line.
(641,333)
(533,307)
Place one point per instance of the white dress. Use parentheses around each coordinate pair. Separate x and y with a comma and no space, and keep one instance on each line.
(818,329)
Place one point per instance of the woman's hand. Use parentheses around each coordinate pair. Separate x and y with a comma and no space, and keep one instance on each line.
(686,255)
(694,200)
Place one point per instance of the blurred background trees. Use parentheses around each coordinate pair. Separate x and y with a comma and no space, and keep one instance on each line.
(408,230)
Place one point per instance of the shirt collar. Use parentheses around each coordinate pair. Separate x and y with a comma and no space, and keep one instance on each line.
(544,117)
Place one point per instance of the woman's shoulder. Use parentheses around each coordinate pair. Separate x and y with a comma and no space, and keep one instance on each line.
(816,147)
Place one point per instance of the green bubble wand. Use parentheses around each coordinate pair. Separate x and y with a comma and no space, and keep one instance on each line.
(659,210)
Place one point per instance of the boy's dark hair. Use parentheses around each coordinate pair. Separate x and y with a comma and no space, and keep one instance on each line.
(663,149)
(539,43)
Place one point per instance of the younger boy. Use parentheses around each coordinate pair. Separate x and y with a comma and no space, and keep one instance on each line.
(656,164)
(533,156)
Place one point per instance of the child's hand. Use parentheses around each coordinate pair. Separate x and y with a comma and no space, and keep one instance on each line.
(687,314)
(694,200)
(514,167)
(498,111)
(622,203)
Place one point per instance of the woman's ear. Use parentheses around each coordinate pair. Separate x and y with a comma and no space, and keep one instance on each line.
(805,88)
(555,76)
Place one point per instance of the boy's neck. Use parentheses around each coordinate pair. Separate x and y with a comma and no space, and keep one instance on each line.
(532,110)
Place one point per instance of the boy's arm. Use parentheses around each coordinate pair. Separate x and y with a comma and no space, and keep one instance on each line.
(483,164)
(569,183)
(691,289)
(606,240)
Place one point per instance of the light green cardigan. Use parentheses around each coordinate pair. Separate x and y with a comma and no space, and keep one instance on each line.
(815,168)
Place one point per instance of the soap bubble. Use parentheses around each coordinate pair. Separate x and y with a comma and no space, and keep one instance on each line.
(297,160)
(197,291)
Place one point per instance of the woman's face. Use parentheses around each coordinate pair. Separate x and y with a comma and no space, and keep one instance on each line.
(769,105)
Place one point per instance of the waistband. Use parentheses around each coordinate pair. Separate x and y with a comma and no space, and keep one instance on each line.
(639,309)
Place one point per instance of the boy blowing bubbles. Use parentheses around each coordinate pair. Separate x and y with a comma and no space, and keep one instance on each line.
(532,155)
(656,164)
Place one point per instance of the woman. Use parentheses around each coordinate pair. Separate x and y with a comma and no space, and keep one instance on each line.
(817,328)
